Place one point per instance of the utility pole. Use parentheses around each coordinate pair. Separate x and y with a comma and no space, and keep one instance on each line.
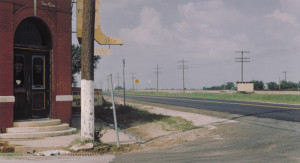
(118,76)
(183,68)
(132,77)
(157,72)
(124,80)
(279,84)
(107,79)
(285,75)
(87,71)
(242,60)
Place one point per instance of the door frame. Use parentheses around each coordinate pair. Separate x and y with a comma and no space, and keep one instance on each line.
(29,53)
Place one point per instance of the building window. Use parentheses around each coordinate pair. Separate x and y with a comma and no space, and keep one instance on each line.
(38,75)
(19,77)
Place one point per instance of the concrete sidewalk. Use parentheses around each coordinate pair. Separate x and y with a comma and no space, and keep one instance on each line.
(109,136)
(61,142)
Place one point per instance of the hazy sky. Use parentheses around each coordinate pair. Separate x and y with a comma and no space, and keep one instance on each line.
(206,33)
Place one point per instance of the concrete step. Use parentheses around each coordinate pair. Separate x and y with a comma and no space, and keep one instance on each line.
(37,122)
(37,134)
(60,127)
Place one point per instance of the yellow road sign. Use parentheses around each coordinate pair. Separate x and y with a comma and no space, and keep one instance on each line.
(102,51)
(100,37)
(137,81)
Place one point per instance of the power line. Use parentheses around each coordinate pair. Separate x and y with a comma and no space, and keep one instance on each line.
(157,72)
(242,60)
(183,68)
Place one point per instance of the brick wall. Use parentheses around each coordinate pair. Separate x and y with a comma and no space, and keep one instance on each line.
(6,49)
(6,63)
(58,20)
(63,67)
(6,116)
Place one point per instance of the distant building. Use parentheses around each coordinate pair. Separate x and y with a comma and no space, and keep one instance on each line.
(245,87)
(35,60)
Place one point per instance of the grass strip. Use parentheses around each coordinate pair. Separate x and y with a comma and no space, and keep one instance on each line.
(176,124)
(10,154)
(271,98)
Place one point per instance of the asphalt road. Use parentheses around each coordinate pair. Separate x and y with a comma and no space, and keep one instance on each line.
(250,140)
(263,133)
(262,110)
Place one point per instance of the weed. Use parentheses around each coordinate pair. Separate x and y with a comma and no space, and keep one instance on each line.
(124,148)
(10,154)
(176,123)
(127,116)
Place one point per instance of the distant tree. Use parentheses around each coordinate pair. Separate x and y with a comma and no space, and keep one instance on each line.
(288,85)
(258,85)
(76,62)
(227,86)
(272,86)
(118,88)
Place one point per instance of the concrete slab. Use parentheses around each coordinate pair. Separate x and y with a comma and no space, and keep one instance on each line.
(110,138)
(37,135)
(37,122)
(63,126)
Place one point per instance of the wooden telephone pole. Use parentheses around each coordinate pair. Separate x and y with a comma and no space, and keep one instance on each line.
(157,72)
(183,67)
(87,71)
(242,60)
(132,77)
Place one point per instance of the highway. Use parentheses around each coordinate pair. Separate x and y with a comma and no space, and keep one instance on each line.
(261,110)
(264,132)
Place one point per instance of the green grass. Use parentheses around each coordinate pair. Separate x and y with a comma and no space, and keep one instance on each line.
(130,116)
(272,98)
(175,124)
(10,154)
(127,116)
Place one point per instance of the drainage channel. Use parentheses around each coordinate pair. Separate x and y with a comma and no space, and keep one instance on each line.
(82,154)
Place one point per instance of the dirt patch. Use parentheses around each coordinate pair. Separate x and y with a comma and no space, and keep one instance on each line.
(159,134)
(156,137)
(177,138)
(148,131)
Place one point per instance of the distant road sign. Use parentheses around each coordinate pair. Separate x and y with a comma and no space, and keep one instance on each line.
(137,81)
(102,51)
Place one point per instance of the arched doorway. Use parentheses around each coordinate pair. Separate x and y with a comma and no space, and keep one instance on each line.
(32,45)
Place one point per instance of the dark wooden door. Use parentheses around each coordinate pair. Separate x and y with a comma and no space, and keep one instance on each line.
(31,84)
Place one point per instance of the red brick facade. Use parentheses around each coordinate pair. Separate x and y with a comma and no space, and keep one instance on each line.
(56,14)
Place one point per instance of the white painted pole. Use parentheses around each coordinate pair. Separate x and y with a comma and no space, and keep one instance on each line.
(87,110)
(114,111)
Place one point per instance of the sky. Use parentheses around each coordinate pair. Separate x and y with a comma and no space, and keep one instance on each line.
(206,34)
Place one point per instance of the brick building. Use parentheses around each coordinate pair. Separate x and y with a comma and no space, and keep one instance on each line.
(35,60)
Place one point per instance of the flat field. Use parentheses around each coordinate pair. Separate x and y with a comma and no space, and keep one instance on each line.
(253,97)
